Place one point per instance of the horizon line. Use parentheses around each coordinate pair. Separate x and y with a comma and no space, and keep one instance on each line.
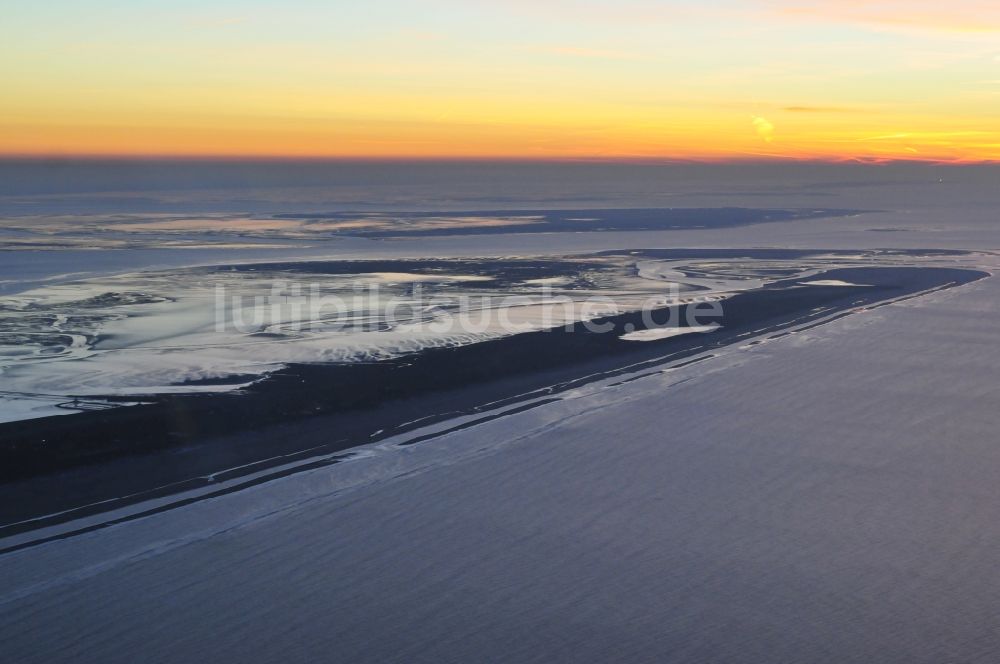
(458,159)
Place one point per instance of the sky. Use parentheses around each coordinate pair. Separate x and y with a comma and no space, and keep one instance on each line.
(545,79)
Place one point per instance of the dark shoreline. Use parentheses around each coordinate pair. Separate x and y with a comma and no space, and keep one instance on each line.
(574,220)
(312,410)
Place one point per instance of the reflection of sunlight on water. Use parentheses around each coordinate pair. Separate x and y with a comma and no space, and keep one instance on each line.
(407,277)
(154,332)
(829,282)
(218,230)
(657,333)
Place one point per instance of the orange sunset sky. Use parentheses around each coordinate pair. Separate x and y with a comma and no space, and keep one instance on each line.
(735,79)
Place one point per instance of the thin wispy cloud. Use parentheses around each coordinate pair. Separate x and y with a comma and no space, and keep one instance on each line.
(820,109)
(922,135)
(205,24)
(924,15)
(605,13)
(583,52)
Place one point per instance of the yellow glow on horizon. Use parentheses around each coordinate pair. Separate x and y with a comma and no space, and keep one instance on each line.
(704,136)
(803,79)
